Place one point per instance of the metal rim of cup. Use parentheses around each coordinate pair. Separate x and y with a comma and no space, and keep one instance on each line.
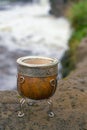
(53,62)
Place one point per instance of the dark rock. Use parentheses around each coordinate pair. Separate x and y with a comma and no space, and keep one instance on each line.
(58,6)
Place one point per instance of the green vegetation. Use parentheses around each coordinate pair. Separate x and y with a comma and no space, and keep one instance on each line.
(77,14)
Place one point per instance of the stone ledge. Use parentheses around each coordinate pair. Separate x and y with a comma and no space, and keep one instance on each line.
(70,106)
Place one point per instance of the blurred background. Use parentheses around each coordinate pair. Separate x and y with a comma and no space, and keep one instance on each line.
(31,27)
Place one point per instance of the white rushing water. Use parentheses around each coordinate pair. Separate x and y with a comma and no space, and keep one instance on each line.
(30,28)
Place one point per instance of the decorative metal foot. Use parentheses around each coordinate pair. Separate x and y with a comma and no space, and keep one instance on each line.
(50,112)
(21,112)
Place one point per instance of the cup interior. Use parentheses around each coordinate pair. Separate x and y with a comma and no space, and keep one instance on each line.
(37,61)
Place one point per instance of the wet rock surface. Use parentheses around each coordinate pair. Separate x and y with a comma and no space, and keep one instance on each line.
(70,106)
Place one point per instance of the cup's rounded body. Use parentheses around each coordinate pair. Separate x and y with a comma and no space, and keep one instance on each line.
(37,77)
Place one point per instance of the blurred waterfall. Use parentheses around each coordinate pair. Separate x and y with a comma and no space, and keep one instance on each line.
(28,29)
(41,2)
